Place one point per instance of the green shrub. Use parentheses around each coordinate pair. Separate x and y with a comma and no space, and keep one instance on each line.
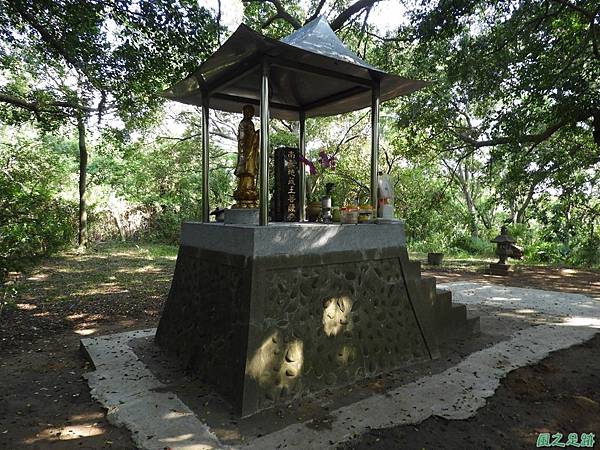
(165,226)
(35,218)
(40,226)
(587,253)
(544,252)
(472,245)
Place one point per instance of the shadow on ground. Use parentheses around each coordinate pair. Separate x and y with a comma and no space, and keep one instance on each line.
(577,281)
(79,292)
(561,394)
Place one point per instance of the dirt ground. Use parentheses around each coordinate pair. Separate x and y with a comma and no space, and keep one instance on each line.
(578,281)
(45,403)
(561,394)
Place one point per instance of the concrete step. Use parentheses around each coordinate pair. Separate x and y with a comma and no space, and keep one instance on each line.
(417,266)
(458,314)
(450,321)
(414,269)
(443,302)
(431,281)
(460,325)
(472,325)
(443,294)
(429,290)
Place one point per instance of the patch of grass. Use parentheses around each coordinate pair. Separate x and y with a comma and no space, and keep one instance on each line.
(109,281)
(456,261)
(162,251)
(136,249)
(8,293)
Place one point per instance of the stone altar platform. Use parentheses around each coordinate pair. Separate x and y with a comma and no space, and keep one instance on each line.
(270,314)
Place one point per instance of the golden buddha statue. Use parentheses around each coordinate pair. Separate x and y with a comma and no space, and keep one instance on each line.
(246,170)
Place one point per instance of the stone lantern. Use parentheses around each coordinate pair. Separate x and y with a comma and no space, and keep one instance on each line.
(505,248)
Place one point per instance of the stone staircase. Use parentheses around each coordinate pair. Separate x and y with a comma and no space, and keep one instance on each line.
(448,321)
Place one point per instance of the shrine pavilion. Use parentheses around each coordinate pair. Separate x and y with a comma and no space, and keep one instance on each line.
(309,73)
(270,312)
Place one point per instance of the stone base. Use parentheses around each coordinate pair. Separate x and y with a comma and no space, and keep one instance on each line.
(499,269)
(248,216)
(271,314)
(388,221)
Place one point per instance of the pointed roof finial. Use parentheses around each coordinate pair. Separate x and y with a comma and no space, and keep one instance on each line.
(318,37)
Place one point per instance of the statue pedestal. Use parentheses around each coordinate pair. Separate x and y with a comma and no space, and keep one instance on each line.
(241,216)
(392,221)
(499,269)
(271,314)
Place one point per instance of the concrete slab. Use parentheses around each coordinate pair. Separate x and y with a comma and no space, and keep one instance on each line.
(125,386)
(575,309)
(456,393)
(238,216)
(291,238)
(158,418)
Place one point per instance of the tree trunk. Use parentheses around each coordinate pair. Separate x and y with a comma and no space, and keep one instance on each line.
(567,234)
(117,217)
(83,162)
(513,210)
(463,179)
(520,218)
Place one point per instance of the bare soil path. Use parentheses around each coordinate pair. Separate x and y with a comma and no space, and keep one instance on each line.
(561,394)
(578,281)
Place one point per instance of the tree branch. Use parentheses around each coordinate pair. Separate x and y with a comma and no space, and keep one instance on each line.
(281,13)
(343,140)
(526,138)
(591,17)
(219,21)
(346,176)
(56,45)
(336,24)
(267,23)
(316,13)
(594,35)
(387,39)
(362,33)
(351,10)
(39,107)
(574,7)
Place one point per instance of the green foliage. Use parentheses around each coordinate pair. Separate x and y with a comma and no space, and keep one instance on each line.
(34,219)
(508,133)
(544,252)
(163,177)
(107,56)
(512,119)
(472,245)
(8,295)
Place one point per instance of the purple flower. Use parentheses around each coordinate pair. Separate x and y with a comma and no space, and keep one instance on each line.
(332,162)
(310,164)
(326,161)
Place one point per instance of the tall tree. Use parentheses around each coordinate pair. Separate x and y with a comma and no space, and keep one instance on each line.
(64,61)
(279,17)
(528,70)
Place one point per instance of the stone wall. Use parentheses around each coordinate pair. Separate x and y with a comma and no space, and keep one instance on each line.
(205,320)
